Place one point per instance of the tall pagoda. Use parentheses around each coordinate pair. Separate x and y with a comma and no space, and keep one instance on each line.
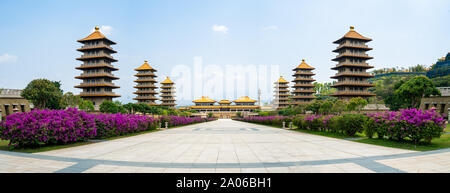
(352,76)
(281,93)
(303,84)
(146,84)
(167,93)
(97,69)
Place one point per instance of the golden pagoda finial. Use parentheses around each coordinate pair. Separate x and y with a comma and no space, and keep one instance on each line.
(352,28)
(97,28)
(303,60)
(146,61)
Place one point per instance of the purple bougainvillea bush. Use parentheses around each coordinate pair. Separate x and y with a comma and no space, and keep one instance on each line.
(177,121)
(415,124)
(111,125)
(267,120)
(43,127)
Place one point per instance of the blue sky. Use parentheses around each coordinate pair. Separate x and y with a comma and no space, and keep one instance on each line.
(38,38)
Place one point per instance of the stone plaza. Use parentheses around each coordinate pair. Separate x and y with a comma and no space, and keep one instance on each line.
(226,146)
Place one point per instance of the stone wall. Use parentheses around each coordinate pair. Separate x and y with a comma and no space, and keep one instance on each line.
(441,103)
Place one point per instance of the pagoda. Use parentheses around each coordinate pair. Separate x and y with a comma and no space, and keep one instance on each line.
(146,84)
(352,76)
(97,69)
(303,84)
(281,93)
(167,93)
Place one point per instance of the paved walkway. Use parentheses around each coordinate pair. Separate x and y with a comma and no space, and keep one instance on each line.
(227,146)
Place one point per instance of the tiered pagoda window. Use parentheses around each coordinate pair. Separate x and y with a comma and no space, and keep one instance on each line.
(303,84)
(351,68)
(281,95)
(168,93)
(146,84)
(97,69)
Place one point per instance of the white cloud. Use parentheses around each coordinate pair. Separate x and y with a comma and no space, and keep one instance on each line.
(272,27)
(220,28)
(105,29)
(7,58)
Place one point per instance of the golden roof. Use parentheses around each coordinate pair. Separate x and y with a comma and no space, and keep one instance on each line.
(96,35)
(167,81)
(245,99)
(145,66)
(354,35)
(304,65)
(224,102)
(204,100)
(281,80)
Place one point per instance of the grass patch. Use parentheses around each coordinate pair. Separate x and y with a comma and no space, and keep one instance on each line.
(437,143)
(329,134)
(4,146)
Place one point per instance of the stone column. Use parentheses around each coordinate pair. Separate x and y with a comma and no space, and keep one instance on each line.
(448,116)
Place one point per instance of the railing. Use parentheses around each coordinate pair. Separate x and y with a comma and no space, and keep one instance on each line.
(95,55)
(300,84)
(353,72)
(355,63)
(97,83)
(96,45)
(350,44)
(145,73)
(353,91)
(13,93)
(352,54)
(96,74)
(352,82)
(145,84)
(96,64)
(97,92)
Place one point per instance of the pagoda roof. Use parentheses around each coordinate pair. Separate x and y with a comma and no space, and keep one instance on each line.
(145,66)
(204,100)
(245,99)
(282,80)
(224,102)
(96,35)
(167,81)
(352,34)
(304,65)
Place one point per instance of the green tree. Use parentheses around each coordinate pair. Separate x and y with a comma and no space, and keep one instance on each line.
(415,89)
(43,94)
(356,103)
(70,100)
(109,107)
(443,81)
(210,115)
(326,107)
(314,106)
(86,105)
(339,106)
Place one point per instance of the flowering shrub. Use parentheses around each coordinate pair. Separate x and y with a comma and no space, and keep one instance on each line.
(313,122)
(43,127)
(110,125)
(176,121)
(350,124)
(40,127)
(414,124)
(269,120)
